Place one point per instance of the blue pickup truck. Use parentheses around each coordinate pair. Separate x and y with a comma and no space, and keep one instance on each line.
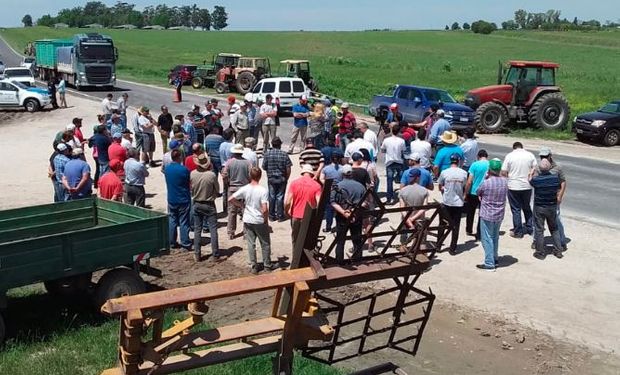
(414,103)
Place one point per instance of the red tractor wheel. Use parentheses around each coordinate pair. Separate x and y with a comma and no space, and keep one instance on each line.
(491,118)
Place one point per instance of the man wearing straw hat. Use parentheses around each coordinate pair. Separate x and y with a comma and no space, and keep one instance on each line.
(205,189)
(442,158)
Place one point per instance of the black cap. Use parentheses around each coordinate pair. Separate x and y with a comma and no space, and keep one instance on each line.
(455,158)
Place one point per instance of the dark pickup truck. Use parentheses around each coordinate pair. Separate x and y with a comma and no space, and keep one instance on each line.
(414,103)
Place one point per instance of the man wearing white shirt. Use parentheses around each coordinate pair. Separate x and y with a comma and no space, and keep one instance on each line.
(423,148)
(358,144)
(122,103)
(267,114)
(146,125)
(107,105)
(394,149)
(370,137)
(517,166)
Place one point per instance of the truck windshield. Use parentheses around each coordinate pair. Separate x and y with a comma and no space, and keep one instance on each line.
(438,96)
(17,73)
(96,51)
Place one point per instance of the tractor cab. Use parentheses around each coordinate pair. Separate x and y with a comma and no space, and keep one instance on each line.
(225,59)
(299,69)
(526,76)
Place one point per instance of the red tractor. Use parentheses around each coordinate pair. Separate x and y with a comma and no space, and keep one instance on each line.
(527,93)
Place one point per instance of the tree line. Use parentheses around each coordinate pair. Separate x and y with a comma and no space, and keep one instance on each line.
(122,13)
(524,20)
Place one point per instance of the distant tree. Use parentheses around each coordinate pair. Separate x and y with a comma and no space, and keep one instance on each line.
(521,18)
(219,18)
(575,21)
(185,13)
(466,26)
(204,19)
(447,28)
(46,20)
(509,25)
(455,26)
(483,27)
(195,16)
(27,20)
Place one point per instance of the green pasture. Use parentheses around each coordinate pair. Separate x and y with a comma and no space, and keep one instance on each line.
(356,65)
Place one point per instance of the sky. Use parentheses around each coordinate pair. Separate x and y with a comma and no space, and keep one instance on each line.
(345,14)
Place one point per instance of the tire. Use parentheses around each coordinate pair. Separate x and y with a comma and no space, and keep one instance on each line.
(244,83)
(31,105)
(197,83)
(612,138)
(2,330)
(69,286)
(221,88)
(491,118)
(550,111)
(117,283)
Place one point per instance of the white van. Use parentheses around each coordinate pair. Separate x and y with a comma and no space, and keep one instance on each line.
(287,89)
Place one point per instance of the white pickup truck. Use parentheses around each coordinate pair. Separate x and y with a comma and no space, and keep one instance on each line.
(14,94)
(21,74)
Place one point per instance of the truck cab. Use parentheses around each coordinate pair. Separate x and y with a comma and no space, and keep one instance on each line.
(14,94)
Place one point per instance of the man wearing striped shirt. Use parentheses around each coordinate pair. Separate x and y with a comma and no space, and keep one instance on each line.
(314,157)
(492,194)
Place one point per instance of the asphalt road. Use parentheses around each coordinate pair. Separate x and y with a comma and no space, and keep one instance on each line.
(592,184)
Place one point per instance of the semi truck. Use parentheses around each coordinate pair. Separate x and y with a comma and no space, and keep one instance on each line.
(86,61)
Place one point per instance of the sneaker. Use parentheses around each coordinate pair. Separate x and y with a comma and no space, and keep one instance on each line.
(564,247)
(215,258)
(197,257)
(558,254)
(515,235)
(231,236)
(271,267)
(452,250)
(485,267)
(254,270)
(533,246)
(538,255)
(327,230)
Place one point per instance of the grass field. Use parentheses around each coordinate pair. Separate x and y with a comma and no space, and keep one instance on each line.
(55,338)
(356,65)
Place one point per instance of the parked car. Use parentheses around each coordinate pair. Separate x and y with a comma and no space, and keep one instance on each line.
(29,62)
(21,75)
(287,89)
(2,69)
(601,126)
(14,94)
(414,103)
(185,70)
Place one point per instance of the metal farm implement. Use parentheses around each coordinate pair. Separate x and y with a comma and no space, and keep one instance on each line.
(309,311)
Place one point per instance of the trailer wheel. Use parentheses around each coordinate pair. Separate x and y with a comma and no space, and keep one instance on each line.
(197,83)
(69,286)
(31,105)
(2,330)
(117,283)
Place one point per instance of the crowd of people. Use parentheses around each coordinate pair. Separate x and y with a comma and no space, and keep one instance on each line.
(206,146)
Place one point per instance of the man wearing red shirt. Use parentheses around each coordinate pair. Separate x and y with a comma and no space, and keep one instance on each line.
(77,132)
(115,150)
(110,185)
(190,162)
(346,126)
(406,131)
(303,191)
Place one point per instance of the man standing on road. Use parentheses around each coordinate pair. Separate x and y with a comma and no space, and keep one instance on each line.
(127,142)
(110,185)
(267,114)
(164,125)
(439,127)
(107,105)
(394,149)
(235,174)
(346,126)
(240,122)
(116,150)
(425,180)
(102,142)
(179,201)
(370,137)
(51,88)
(147,125)
(413,195)
(212,145)
(545,153)
(277,164)
(76,178)
(248,151)
(62,92)
(546,189)
(345,196)
(452,186)
(310,155)
(470,148)
(421,147)
(302,192)
(517,166)
(358,143)
(253,199)
(122,104)
(394,115)
(477,172)
(492,193)
(442,158)
(135,178)
(300,122)
(205,190)
(178,86)
(60,160)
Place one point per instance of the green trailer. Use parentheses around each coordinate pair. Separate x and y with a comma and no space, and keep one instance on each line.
(45,51)
(62,244)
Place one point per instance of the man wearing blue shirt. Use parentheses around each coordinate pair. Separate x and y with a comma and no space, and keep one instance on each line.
(442,158)
(300,123)
(438,128)
(477,172)
(179,199)
(426,179)
(76,178)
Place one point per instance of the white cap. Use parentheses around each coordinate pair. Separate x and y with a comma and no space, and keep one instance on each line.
(346,169)
(307,168)
(440,112)
(235,107)
(77,151)
(248,97)
(393,106)
(344,105)
(61,147)
(304,97)
(70,127)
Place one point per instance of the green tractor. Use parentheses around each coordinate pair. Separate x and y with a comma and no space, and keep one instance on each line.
(300,69)
(205,75)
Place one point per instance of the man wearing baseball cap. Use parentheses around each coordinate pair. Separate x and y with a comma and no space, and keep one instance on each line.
(545,153)
(110,184)
(346,196)
(412,195)
(300,122)
(61,158)
(492,194)
(452,186)
(440,126)
(546,188)
(425,179)
(303,191)
(346,126)
(235,174)
(116,150)
(394,115)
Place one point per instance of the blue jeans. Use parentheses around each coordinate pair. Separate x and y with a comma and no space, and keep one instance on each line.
(394,172)
(59,191)
(489,236)
(178,216)
(329,215)
(558,222)
(103,167)
(276,199)
(519,200)
(205,214)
